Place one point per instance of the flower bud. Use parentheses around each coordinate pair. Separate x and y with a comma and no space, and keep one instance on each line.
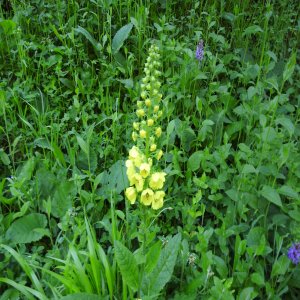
(148,102)
(156,108)
(158,131)
(140,112)
(143,133)
(153,147)
(150,122)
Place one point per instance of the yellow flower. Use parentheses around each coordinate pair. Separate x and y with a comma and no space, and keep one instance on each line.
(135,125)
(159,154)
(158,200)
(147,197)
(148,102)
(143,133)
(140,104)
(143,94)
(130,171)
(145,170)
(150,161)
(134,136)
(153,147)
(156,108)
(150,122)
(140,112)
(138,181)
(130,193)
(135,156)
(158,131)
(157,180)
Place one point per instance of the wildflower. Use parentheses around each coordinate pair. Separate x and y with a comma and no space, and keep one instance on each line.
(157,180)
(131,194)
(134,136)
(158,131)
(294,253)
(143,133)
(200,51)
(144,170)
(140,112)
(153,147)
(135,125)
(192,258)
(150,122)
(148,102)
(159,154)
(138,181)
(158,200)
(156,108)
(147,197)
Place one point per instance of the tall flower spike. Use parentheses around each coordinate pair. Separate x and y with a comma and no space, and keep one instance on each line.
(200,51)
(146,180)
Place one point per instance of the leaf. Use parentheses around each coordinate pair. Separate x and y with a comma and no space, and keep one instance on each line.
(120,37)
(8,26)
(271,195)
(195,160)
(248,169)
(114,180)
(280,266)
(252,30)
(152,257)
(62,198)
(27,170)
(83,31)
(287,124)
(128,266)
(162,273)
(4,157)
(289,67)
(257,279)
(24,230)
(288,192)
(83,145)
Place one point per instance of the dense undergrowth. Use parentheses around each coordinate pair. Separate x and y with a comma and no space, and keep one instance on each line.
(71,74)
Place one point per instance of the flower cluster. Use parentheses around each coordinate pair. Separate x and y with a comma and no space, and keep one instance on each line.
(294,253)
(146,182)
(200,51)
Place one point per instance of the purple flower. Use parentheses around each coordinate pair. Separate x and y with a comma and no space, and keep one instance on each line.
(200,51)
(294,253)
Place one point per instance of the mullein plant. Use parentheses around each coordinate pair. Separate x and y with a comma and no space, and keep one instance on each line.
(145,178)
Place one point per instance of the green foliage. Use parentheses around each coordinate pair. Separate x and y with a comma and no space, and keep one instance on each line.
(70,78)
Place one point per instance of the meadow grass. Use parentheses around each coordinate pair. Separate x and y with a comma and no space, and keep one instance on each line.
(71,78)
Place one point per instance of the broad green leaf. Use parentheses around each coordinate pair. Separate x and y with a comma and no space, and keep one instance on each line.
(252,30)
(152,257)
(23,230)
(289,67)
(287,124)
(89,37)
(288,192)
(195,160)
(280,266)
(163,271)
(257,279)
(247,293)
(83,145)
(120,37)
(248,169)
(27,170)
(4,157)
(271,195)
(62,198)
(128,266)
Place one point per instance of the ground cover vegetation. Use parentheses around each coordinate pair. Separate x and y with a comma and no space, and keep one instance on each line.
(149,149)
